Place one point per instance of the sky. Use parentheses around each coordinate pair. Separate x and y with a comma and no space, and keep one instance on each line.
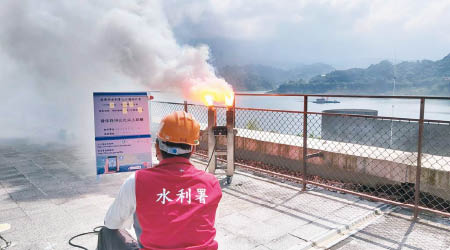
(55,54)
(343,33)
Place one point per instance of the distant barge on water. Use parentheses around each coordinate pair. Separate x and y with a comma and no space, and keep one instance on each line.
(323,100)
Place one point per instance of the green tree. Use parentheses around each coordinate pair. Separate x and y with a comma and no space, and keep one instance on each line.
(252,125)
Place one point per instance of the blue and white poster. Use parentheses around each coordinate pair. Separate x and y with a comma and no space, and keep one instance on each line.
(122,132)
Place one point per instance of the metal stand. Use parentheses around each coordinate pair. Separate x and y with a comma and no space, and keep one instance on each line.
(230,143)
(212,119)
(214,132)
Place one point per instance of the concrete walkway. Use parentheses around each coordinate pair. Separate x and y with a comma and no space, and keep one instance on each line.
(50,193)
(396,231)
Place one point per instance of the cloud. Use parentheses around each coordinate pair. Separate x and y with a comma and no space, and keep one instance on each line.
(55,54)
(312,30)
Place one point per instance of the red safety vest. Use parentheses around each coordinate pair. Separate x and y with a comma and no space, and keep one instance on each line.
(176,206)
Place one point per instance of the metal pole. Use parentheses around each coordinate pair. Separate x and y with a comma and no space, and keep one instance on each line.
(212,120)
(230,142)
(305,139)
(185,106)
(419,159)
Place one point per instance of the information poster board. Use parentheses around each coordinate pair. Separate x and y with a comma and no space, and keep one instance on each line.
(122,132)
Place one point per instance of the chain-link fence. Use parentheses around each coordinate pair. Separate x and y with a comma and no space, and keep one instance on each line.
(265,136)
(372,156)
(366,154)
(435,172)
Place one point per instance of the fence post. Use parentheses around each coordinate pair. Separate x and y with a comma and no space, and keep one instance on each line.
(185,106)
(419,159)
(305,139)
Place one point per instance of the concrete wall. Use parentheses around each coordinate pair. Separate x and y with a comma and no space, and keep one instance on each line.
(398,135)
(342,161)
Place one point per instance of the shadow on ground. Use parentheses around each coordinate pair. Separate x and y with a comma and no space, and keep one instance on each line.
(50,192)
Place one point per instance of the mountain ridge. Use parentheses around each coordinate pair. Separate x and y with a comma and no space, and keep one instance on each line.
(412,78)
(254,77)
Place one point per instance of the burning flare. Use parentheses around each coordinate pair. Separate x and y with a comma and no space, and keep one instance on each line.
(210,91)
(229,100)
(209,100)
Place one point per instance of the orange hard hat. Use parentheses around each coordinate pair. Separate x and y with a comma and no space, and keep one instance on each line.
(179,127)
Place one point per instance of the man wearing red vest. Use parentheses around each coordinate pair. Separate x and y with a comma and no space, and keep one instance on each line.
(173,204)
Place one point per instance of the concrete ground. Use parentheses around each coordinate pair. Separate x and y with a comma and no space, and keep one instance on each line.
(49,193)
(396,231)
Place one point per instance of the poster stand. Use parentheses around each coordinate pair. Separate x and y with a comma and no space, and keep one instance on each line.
(122,132)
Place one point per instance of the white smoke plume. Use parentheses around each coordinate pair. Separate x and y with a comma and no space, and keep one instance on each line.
(54,54)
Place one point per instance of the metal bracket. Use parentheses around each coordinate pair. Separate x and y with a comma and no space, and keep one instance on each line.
(219,130)
(319,154)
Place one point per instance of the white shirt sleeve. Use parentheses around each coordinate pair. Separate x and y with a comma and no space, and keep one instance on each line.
(120,213)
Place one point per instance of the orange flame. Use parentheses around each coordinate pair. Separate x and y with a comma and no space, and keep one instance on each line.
(209,100)
(229,100)
(211,91)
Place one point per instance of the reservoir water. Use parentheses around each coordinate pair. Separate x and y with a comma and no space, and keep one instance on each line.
(404,108)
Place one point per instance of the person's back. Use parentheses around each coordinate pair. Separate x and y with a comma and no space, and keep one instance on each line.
(176,206)
(173,204)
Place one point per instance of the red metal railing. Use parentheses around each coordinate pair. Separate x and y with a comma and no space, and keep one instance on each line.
(273,123)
